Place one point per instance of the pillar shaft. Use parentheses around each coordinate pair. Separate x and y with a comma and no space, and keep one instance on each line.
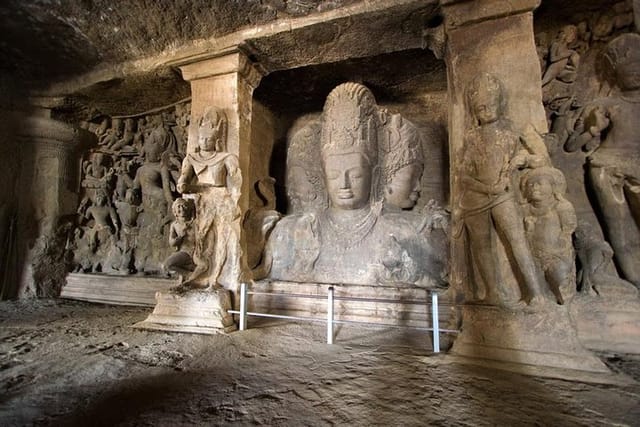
(496,37)
(225,82)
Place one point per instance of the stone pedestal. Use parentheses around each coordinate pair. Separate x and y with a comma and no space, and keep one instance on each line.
(196,311)
(544,338)
(610,321)
(385,305)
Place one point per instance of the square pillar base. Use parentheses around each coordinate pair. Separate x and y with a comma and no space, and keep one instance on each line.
(545,338)
(195,311)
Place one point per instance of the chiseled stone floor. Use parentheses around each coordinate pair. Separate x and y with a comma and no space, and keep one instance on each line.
(67,363)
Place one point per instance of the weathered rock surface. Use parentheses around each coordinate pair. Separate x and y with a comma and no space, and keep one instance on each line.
(282,375)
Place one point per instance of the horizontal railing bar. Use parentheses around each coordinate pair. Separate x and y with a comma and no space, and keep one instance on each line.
(313,319)
(278,316)
(355,299)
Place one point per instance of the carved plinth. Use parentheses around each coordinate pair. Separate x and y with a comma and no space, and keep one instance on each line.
(609,322)
(196,311)
(536,339)
(386,305)
(115,290)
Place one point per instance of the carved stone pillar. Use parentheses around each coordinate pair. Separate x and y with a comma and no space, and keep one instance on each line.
(47,153)
(226,82)
(496,37)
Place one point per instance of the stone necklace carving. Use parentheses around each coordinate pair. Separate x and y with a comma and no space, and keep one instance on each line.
(349,232)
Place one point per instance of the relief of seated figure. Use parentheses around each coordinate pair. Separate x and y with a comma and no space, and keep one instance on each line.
(348,240)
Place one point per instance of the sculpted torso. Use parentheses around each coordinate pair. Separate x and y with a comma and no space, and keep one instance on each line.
(546,230)
(211,170)
(149,178)
(622,133)
(489,150)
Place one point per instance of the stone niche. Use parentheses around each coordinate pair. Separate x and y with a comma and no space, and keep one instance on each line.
(361,167)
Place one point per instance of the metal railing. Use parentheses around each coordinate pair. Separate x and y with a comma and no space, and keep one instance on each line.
(330,320)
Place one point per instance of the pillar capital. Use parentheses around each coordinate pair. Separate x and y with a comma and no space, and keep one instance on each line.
(459,13)
(234,61)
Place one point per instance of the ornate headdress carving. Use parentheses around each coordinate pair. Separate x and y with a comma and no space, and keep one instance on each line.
(404,146)
(214,121)
(350,122)
(486,83)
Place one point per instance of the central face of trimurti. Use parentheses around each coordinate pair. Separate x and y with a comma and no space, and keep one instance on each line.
(348,178)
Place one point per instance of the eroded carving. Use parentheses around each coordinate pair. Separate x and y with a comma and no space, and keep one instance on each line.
(134,170)
(403,162)
(563,59)
(491,156)
(182,239)
(549,221)
(212,176)
(606,130)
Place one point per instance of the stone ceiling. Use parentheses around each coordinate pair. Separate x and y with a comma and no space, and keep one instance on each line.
(52,39)
(122,55)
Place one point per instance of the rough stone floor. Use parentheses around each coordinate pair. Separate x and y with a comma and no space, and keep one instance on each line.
(68,363)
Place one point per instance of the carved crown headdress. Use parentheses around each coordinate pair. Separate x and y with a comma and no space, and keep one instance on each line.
(486,83)
(214,121)
(403,145)
(350,123)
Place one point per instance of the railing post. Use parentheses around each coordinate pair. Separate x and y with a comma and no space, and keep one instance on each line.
(435,321)
(330,316)
(243,306)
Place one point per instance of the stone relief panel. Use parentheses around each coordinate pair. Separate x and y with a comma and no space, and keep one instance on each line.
(353,177)
(128,185)
(492,158)
(592,138)
(212,177)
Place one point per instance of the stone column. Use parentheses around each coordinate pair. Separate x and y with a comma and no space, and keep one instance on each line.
(47,152)
(227,82)
(496,37)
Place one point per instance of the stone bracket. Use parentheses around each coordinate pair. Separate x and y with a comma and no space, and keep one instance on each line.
(459,13)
